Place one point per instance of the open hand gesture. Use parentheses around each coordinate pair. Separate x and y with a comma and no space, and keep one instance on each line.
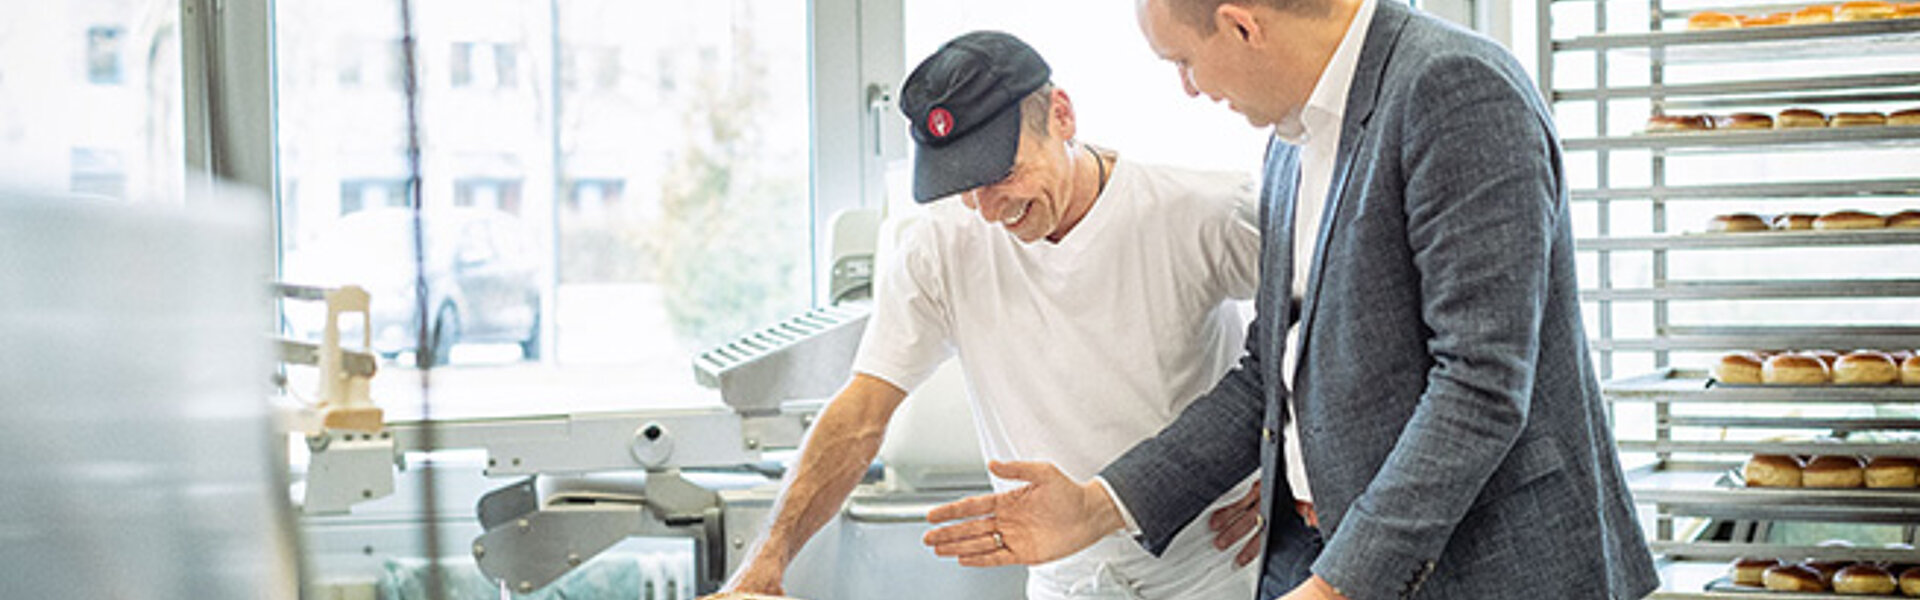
(1047,519)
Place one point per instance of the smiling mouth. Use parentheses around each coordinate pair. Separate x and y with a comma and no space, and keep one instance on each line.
(1012,219)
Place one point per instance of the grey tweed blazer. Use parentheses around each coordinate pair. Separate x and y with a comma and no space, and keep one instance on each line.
(1450,420)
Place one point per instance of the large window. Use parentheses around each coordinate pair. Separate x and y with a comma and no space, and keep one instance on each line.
(90,99)
(607,188)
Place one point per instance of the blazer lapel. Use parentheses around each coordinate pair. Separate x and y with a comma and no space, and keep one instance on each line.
(1282,184)
(1389,19)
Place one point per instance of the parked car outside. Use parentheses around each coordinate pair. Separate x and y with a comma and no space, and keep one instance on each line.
(482,273)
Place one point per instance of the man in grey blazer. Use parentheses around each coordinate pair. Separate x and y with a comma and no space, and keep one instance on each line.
(1417,242)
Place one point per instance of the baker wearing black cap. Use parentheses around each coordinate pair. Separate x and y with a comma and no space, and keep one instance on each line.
(968,106)
(1091,306)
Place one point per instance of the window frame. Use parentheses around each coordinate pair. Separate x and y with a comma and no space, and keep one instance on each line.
(229,82)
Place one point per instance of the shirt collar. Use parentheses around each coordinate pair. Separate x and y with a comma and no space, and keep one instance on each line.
(1327,104)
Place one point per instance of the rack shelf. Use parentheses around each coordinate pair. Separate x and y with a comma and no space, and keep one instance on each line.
(1762,43)
(1690,385)
(1708,494)
(1808,189)
(1891,507)
(1729,551)
(1802,448)
(1839,424)
(1731,339)
(1755,239)
(1791,85)
(1749,141)
(1762,290)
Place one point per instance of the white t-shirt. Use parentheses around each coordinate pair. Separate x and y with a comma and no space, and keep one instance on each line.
(1073,352)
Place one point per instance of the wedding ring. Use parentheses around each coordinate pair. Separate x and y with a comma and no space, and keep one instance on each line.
(999,542)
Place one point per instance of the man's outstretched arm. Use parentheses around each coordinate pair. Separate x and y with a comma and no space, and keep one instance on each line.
(838,449)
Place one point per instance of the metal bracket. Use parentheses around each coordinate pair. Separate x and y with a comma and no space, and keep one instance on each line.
(347,468)
(529,544)
(503,505)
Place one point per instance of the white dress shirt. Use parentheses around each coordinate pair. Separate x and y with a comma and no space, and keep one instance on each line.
(1316,130)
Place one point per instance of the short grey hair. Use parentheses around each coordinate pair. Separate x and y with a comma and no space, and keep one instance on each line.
(1034,109)
(1199,13)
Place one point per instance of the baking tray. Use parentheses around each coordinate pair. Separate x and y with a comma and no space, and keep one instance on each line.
(1694,385)
(1725,585)
(1694,580)
(1877,38)
(1714,491)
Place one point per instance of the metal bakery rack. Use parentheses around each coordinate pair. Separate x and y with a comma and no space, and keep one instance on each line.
(1664,298)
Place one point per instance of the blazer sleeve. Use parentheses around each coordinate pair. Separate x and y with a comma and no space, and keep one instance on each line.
(1481,197)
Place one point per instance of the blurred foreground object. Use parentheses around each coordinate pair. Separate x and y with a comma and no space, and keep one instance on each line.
(141,460)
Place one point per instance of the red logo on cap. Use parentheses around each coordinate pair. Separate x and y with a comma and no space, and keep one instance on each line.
(940,122)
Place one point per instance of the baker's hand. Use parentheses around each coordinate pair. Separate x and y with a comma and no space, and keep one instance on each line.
(1232,523)
(755,579)
(1047,519)
(741,596)
(1314,588)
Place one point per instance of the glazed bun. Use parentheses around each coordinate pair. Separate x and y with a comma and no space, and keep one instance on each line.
(1793,222)
(1766,21)
(1678,123)
(1751,571)
(1864,579)
(1910,581)
(1796,118)
(1849,219)
(1827,568)
(1745,121)
(1834,471)
(1793,369)
(1867,10)
(1910,370)
(1773,470)
(1893,472)
(1740,368)
(1858,119)
(1910,10)
(1866,367)
(1909,116)
(1793,578)
(1812,15)
(1719,20)
(1906,219)
(1737,222)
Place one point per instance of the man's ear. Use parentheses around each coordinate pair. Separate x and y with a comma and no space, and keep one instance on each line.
(1060,115)
(1239,21)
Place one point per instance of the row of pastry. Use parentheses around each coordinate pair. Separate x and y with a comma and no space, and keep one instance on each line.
(1844,577)
(1833,221)
(1868,10)
(1792,118)
(1833,471)
(1818,367)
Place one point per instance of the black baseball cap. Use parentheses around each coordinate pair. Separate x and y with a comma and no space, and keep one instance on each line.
(963,106)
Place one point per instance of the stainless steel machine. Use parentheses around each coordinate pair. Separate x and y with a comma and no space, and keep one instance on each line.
(580,484)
